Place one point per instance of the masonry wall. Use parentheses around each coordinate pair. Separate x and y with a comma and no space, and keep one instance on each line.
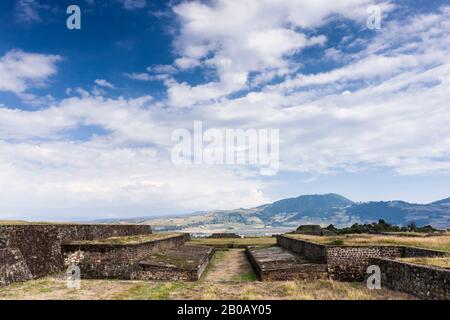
(312,251)
(40,245)
(116,261)
(425,282)
(350,263)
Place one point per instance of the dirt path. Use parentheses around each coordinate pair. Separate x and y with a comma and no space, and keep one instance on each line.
(231,265)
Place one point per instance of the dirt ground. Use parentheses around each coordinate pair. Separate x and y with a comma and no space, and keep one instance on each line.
(232,265)
(229,276)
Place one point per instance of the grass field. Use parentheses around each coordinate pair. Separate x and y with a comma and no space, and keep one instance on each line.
(225,242)
(130,239)
(22,222)
(442,262)
(438,242)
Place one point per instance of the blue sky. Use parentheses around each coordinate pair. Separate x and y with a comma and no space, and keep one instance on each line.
(86,116)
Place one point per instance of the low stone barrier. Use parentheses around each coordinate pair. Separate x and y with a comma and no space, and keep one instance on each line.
(425,282)
(349,263)
(312,251)
(40,244)
(116,261)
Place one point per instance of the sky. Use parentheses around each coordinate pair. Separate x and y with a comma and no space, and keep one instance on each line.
(87,115)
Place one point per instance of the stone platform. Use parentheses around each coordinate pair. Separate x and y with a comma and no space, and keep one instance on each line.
(277,264)
(186,263)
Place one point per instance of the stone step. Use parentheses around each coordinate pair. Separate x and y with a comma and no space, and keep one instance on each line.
(277,264)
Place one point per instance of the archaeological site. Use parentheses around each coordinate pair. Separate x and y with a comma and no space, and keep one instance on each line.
(134,252)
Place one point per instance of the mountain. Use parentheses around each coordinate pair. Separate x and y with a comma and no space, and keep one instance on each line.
(444,202)
(311,205)
(308,209)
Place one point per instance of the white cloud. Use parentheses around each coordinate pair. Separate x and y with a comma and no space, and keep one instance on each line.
(143,76)
(105,176)
(28,11)
(133,4)
(162,69)
(261,36)
(104,83)
(21,70)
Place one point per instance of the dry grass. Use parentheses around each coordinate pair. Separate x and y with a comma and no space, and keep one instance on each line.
(439,242)
(224,242)
(23,222)
(52,288)
(442,262)
(129,239)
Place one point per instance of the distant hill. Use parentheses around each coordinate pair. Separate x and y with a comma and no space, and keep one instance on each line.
(311,205)
(444,202)
(311,209)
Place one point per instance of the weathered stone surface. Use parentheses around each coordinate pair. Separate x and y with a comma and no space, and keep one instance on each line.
(13,267)
(349,263)
(312,251)
(277,264)
(185,263)
(425,282)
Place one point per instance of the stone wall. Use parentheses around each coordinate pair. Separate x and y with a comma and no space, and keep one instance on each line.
(349,263)
(425,282)
(410,252)
(40,245)
(312,251)
(116,261)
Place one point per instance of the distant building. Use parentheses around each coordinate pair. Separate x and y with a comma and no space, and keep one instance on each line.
(224,235)
(314,230)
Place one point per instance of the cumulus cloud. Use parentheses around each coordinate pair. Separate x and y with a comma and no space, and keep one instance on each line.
(21,70)
(129,169)
(142,76)
(260,37)
(104,83)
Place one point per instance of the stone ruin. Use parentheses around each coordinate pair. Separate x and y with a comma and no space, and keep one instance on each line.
(314,230)
(294,258)
(101,251)
(224,235)
(134,252)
